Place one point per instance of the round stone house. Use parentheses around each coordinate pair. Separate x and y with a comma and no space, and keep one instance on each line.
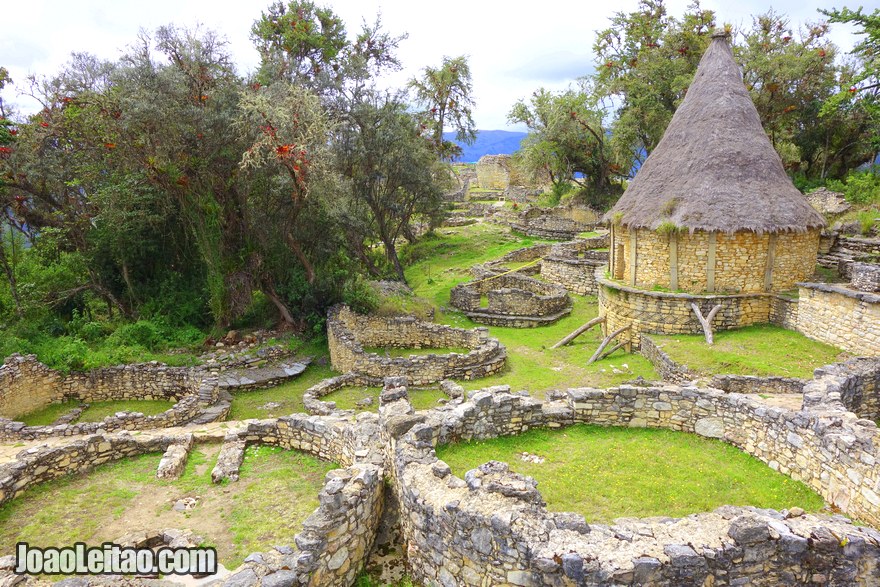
(711,212)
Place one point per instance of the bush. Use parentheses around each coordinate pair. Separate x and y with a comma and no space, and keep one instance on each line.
(359,296)
(143,333)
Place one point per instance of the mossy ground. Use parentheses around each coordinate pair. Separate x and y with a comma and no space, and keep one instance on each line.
(125,496)
(606,473)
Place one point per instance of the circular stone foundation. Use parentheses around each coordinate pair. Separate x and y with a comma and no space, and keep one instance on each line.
(348,333)
(513,300)
(656,312)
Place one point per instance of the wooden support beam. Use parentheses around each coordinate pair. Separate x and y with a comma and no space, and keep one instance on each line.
(706,322)
(673,261)
(771,260)
(616,347)
(710,263)
(605,342)
(579,331)
(633,257)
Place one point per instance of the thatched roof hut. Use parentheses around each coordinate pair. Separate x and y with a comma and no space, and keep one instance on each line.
(715,169)
(712,209)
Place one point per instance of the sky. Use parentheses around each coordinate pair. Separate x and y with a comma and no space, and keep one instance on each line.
(513,48)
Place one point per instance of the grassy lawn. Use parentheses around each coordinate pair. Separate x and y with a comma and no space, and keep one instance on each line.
(606,473)
(96,411)
(248,404)
(444,261)
(754,350)
(278,489)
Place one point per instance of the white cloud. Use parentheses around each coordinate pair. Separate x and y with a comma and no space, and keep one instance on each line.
(514,48)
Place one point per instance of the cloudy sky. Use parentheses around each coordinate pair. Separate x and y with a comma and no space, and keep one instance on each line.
(514,47)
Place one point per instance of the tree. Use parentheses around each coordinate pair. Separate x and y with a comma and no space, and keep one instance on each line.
(567,140)
(790,74)
(298,42)
(859,94)
(645,62)
(390,172)
(445,93)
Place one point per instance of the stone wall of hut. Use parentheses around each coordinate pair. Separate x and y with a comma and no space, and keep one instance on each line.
(741,260)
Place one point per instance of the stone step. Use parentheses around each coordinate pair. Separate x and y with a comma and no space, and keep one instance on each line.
(174,460)
(229,461)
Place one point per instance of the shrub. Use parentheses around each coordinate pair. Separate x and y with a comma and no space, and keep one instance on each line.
(143,333)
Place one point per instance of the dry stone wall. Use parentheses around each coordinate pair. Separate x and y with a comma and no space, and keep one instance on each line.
(348,333)
(573,264)
(514,300)
(839,316)
(656,312)
(740,260)
(560,223)
(491,527)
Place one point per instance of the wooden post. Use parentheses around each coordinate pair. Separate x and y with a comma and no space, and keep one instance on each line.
(771,259)
(611,252)
(579,331)
(605,342)
(710,263)
(706,322)
(632,255)
(673,261)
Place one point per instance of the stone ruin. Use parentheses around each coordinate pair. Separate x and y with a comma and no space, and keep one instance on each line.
(348,333)
(573,264)
(492,526)
(559,223)
(513,300)
(201,394)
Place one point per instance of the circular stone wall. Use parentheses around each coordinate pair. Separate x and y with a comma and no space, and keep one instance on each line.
(573,264)
(348,333)
(513,300)
(744,262)
(655,312)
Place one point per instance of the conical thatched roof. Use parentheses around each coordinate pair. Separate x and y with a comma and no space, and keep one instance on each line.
(715,169)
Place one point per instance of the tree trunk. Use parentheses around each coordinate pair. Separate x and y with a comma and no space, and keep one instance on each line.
(706,322)
(283,310)
(391,253)
(297,250)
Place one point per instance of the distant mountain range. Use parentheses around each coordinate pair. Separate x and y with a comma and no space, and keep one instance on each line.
(489,142)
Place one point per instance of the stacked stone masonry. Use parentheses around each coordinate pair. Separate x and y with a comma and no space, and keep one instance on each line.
(573,264)
(740,260)
(560,223)
(656,312)
(348,333)
(513,300)
(492,528)
(840,316)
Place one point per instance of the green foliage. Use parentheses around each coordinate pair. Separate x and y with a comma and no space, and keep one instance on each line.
(867,219)
(446,94)
(645,60)
(669,228)
(359,296)
(567,141)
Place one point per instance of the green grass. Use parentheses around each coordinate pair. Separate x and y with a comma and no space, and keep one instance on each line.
(442,260)
(754,350)
(96,411)
(445,260)
(246,404)
(278,489)
(606,473)
(406,352)
(47,415)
